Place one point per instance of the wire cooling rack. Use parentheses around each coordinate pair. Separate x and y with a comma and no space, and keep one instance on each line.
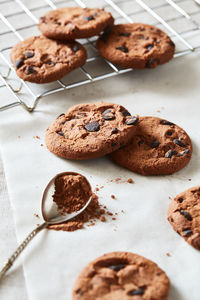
(18,20)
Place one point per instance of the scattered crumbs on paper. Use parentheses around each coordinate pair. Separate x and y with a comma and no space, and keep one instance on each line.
(36,215)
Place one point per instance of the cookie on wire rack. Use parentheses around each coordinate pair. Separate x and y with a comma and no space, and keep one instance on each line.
(136,45)
(42,60)
(70,23)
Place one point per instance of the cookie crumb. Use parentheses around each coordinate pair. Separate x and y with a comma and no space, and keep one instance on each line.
(102,219)
(96,189)
(109,213)
(170,198)
(36,215)
(130,180)
(113,196)
(36,137)
(189,179)
(113,218)
(168,254)
(19,136)
(41,145)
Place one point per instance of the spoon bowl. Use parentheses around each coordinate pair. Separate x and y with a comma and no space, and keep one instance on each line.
(49,208)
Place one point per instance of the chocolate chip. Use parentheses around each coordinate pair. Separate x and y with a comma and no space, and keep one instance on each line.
(140,143)
(75,48)
(42,19)
(60,133)
(50,62)
(108,115)
(105,35)
(165,122)
(116,268)
(113,144)
(60,116)
(79,292)
(132,120)
(114,130)
(139,291)
(178,142)
(169,132)
(125,34)
(149,47)
(155,144)
(171,43)
(126,113)
(93,126)
(88,18)
(170,153)
(29,70)
(122,48)
(19,63)
(151,63)
(141,29)
(187,151)
(29,54)
(180,200)
(187,232)
(186,215)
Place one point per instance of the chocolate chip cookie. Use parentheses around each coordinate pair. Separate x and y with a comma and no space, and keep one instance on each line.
(41,60)
(90,130)
(74,22)
(136,46)
(121,275)
(159,147)
(184,215)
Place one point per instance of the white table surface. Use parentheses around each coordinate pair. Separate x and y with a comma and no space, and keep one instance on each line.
(170,92)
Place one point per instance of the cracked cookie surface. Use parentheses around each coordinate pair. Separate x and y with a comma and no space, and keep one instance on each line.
(136,46)
(90,130)
(121,275)
(70,23)
(184,215)
(41,60)
(159,147)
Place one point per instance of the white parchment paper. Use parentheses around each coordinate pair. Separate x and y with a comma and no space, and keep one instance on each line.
(53,259)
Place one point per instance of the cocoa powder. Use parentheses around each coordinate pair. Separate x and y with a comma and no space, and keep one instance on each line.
(93,212)
(71,193)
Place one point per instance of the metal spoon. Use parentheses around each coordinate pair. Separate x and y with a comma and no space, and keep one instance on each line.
(50,214)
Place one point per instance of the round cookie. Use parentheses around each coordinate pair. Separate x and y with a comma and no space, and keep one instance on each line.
(184,215)
(159,147)
(74,22)
(41,60)
(136,46)
(90,130)
(121,275)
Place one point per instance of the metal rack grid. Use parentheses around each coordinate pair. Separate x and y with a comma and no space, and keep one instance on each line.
(175,14)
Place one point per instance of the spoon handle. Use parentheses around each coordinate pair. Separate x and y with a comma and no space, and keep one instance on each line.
(20,248)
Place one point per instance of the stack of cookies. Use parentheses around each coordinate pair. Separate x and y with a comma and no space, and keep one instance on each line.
(50,56)
(146,145)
